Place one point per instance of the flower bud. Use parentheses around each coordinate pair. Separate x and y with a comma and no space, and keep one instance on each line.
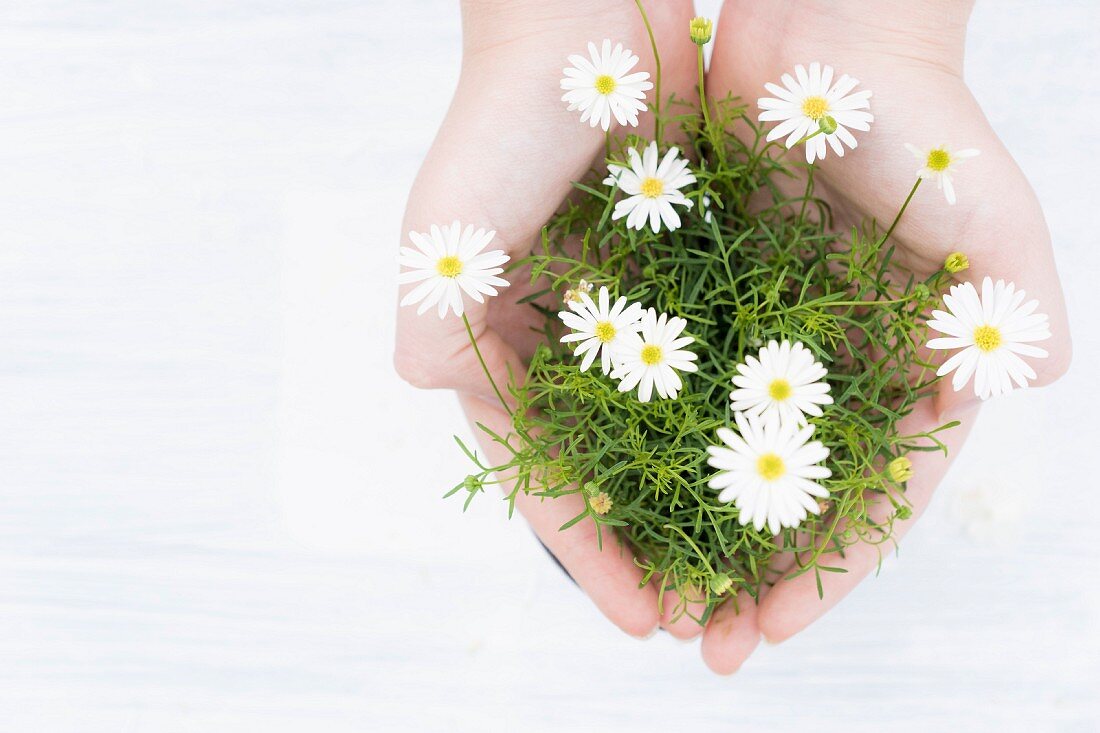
(472,483)
(900,469)
(601,503)
(827,125)
(956,262)
(720,584)
(591,488)
(573,295)
(701,30)
(904,512)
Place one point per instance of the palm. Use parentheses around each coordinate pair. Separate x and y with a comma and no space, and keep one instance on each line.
(871,182)
(505,158)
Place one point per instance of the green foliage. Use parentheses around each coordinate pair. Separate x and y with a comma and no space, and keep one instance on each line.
(766,266)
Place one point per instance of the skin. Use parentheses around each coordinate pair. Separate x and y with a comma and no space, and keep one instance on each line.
(508,150)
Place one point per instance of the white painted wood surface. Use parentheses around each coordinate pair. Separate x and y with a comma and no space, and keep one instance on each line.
(219,509)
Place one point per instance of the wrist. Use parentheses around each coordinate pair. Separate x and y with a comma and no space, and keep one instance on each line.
(930,32)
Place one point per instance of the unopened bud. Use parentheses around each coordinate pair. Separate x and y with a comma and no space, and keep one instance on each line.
(827,125)
(900,469)
(472,483)
(956,262)
(701,30)
(591,488)
(720,584)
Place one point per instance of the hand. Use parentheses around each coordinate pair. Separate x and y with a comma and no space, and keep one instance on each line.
(504,159)
(910,55)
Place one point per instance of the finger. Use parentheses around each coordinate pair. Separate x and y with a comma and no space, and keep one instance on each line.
(609,577)
(732,634)
(680,610)
(1005,237)
(793,603)
(736,631)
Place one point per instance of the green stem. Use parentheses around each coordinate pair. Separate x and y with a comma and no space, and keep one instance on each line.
(804,140)
(694,546)
(778,143)
(806,196)
(757,156)
(904,206)
(484,367)
(657,77)
(703,90)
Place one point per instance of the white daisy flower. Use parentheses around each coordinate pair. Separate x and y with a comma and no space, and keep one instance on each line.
(651,358)
(601,329)
(783,382)
(602,87)
(940,163)
(447,262)
(652,188)
(800,105)
(769,471)
(993,331)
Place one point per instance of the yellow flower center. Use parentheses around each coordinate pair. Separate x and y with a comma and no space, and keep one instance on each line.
(651,354)
(652,187)
(987,338)
(770,466)
(938,160)
(605,84)
(779,390)
(449,266)
(815,107)
(605,331)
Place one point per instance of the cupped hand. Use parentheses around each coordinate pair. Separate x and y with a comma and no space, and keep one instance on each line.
(910,55)
(508,151)
(504,159)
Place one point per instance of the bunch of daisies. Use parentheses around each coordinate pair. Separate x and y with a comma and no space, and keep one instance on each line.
(638,347)
(711,326)
(768,467)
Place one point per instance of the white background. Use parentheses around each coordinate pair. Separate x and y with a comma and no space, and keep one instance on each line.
(220,510)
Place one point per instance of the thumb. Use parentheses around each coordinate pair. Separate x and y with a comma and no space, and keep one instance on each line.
(1005,237)
(503,159)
